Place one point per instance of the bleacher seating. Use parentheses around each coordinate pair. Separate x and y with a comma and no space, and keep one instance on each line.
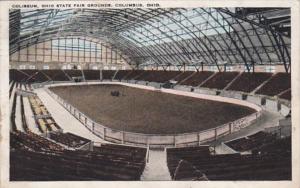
(91,74)
(158,76)
(278,83)
(108,74)
(252,141)
(33,141)
(73,73)
(13,113)
(134,74)
(183,75)
(247,82)
(121,74)
(220,80)
(286,95)
(23,117)
(36,77)
(18,75)
(68,139)
(56,75)
(197,78)
(11,88)
(34,158)
(259,166)
(42,117)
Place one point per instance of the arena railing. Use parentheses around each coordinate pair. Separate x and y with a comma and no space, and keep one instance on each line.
(156,140)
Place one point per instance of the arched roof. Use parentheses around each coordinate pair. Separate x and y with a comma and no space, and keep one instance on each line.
(167,36)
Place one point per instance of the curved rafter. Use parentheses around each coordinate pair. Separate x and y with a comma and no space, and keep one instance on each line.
(166,37)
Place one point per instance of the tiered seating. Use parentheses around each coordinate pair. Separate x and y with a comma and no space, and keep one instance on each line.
(43,118)
(36,76)
(68,139)
(91,74)
(278,83)
(260,166)
(134,74)
(183,75)
(121,74)
(18,75)
(133,153)
(34,142)
(56,75)
(13,113)
(220,80)
(197,78)
(158,76)
(108,74)
(34,158)
(286,95)
(282,145)
(73,73)
(175,155)
(11,88)
(247,82)
(251,142)
(24,123)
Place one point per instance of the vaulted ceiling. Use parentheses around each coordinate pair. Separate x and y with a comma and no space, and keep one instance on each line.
(165,37)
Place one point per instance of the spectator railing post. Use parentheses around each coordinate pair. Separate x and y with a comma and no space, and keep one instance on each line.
(216,133)
(104,133)
(123,136)
(198,138)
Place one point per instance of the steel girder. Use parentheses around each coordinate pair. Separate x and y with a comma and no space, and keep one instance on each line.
(119,27)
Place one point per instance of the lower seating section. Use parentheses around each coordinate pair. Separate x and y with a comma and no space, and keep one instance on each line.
(43,118)
(183,75)
(286,95)
(56,75)
(278,83)
(251,142)
(220,80)
(158,76)
(29,140)
(91,74)
(108,74)
(197,78)
(13,112)
(11,88)
(175,155)
(133,153)
(73,73)
(266,163)
(134,74)
(121,74)
(247,82)
(34,158)
(37,76)
(68,139)
(18,75)
(24,122)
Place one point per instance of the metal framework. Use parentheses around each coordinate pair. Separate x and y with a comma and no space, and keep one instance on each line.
(167,37)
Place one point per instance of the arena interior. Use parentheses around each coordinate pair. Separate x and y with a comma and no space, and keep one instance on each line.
(150,94)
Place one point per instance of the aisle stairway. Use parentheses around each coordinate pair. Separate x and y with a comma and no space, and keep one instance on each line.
(156,168)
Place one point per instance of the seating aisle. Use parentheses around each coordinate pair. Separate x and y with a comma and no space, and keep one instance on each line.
(156,169)
(63,118)
(18,115)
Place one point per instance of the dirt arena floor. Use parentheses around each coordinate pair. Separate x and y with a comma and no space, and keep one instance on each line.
(152,112)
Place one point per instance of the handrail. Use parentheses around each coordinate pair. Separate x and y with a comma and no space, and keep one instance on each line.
(228,127)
